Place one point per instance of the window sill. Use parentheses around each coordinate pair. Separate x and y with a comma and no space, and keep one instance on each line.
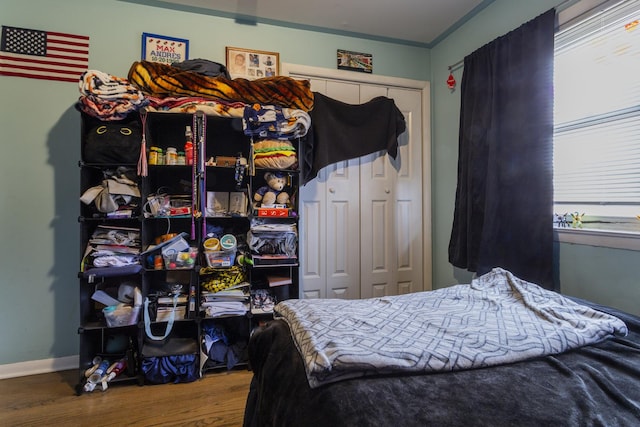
(603,238)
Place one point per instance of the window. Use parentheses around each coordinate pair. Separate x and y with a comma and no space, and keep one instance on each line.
(597,119)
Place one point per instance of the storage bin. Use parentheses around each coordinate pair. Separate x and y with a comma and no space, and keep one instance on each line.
(180,260)
(220,258)
(121,315)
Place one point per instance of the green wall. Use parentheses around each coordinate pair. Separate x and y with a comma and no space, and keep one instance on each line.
(39,189)
(606,276)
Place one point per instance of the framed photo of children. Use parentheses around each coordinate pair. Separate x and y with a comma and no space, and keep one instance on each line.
(163,49)
(252,64)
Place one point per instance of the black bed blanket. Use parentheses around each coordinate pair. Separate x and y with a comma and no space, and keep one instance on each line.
(595,385)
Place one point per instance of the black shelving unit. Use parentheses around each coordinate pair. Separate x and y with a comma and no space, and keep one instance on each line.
(222,157)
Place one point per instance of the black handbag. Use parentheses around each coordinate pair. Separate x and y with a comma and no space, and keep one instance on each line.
(113,143)
(174,360)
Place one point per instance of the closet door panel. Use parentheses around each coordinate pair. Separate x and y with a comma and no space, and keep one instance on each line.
(377,214)
(408,197)
(313,228)
(378,241)
(343,212)
(395,184)
(312,248)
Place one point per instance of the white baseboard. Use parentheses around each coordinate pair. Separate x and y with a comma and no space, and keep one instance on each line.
(34,367)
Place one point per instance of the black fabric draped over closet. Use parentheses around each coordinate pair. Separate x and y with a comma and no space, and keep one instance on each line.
(504,197)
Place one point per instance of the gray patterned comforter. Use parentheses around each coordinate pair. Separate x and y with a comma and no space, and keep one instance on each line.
(497,319)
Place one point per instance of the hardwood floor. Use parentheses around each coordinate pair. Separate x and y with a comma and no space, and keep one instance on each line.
(218,399)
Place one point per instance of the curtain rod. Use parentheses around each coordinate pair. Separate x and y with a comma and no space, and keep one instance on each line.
(561,6)
(457,65)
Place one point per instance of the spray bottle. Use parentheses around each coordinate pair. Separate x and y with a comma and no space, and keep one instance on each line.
(188,146)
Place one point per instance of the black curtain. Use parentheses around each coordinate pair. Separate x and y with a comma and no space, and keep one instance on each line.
(504,197)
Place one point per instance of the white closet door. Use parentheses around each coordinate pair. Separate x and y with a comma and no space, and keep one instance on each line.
(343,213)
(361,226)
(313,229)
(391,206)
(330,246)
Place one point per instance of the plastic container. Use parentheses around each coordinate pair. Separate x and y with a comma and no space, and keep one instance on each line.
(121,315)
(180,260)
(172,156)
(228,242)
(153,156)
(212,244)
(220,258)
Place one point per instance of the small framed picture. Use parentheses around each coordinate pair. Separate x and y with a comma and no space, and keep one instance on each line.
(164,49)
(252,64)
(355,61)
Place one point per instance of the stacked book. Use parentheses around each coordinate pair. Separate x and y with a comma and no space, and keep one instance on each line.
(233,301)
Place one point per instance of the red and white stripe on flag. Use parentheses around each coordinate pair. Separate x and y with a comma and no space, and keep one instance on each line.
(43,54)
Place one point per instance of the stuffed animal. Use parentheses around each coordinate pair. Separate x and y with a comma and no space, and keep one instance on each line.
(576,220)
(273,191)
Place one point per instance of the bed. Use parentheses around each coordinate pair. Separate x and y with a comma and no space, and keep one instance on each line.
(582,369)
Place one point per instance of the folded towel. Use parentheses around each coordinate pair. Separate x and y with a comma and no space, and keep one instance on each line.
(107,86)
(108,97)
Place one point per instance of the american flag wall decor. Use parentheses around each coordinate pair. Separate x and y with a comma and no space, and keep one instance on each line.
(43,54)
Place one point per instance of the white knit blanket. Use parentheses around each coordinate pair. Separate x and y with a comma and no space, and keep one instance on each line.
(497,319)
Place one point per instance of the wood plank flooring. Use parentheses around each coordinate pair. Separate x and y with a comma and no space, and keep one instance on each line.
(218,399)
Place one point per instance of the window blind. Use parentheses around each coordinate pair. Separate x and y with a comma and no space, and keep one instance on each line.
(597,113)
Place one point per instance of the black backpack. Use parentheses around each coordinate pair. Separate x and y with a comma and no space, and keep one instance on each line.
(113,143)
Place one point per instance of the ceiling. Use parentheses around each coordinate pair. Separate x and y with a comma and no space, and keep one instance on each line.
(412,22)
